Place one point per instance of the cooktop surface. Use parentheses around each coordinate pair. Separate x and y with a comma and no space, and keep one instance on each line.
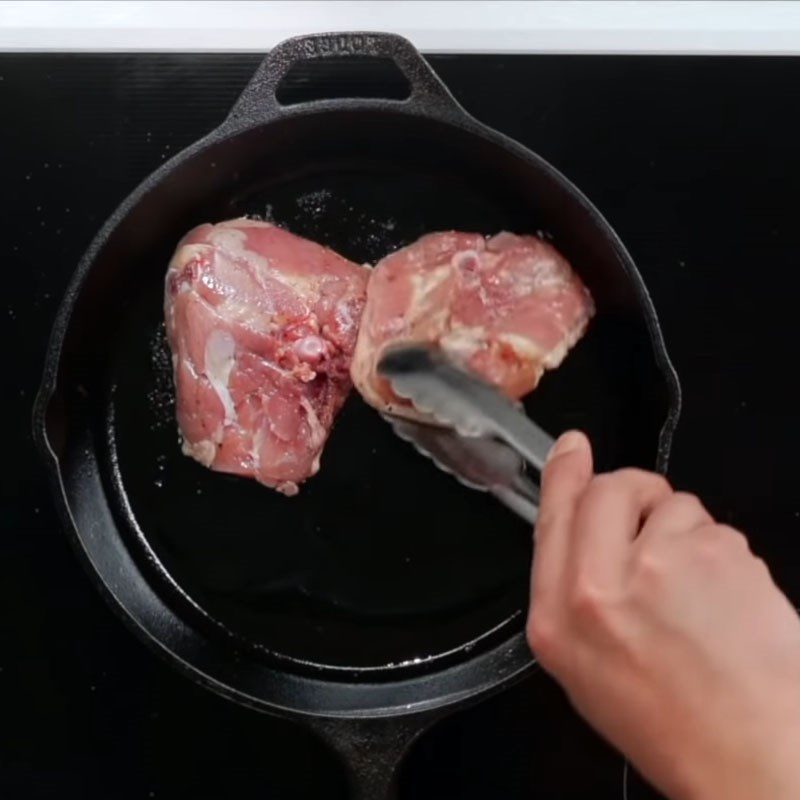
(693,160)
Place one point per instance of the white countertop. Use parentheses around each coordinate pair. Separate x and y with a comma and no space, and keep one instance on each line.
(492,26)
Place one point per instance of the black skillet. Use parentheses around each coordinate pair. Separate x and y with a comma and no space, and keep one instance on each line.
(386,594)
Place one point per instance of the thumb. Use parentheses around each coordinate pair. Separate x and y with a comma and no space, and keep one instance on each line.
(566,475)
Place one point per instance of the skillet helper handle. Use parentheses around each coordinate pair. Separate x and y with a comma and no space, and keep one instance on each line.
(428,93)
(372,750)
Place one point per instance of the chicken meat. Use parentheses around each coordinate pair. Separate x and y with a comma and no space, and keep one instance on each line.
(262,325)
(507,308)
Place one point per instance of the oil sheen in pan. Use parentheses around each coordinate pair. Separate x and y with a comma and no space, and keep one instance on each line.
(381,559)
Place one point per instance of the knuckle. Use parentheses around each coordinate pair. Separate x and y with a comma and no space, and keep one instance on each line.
(601,488)
(707,547)
(639,477)
(706,533)
(542,635)
(719,536)
(709,553)
(760,565)
(626,482)
(714,543)
(687,501)
(762,568)
(608,481)
(649,567)
(630,473)
(733,537)
(652,571)
(588,601)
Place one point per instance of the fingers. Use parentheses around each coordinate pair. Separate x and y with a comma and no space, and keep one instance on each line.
(679,513)
(587,524)
(608,519)
(565,477)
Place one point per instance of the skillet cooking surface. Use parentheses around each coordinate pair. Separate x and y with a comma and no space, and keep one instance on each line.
(381,560)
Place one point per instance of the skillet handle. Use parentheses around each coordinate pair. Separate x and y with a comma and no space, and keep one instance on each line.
(372,750)
(258,101)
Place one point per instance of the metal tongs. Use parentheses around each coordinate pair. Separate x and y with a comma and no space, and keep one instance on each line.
(476,434)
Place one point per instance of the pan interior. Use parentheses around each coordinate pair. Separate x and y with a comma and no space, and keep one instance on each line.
(381,561)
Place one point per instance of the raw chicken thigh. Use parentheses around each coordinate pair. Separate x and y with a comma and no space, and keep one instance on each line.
(262,325)
(507,308)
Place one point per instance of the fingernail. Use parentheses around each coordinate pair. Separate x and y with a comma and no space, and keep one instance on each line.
(567,443)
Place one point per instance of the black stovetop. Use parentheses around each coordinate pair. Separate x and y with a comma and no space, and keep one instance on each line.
(695,163)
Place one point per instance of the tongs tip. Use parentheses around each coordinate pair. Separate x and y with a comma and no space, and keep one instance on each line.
(416,372)
(406,358)
(465,425)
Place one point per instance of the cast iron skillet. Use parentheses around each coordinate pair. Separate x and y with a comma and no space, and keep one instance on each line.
(386,594)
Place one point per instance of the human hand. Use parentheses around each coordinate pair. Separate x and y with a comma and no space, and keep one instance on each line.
(668,635)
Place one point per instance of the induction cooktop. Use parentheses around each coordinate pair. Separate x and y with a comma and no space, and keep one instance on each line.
(693,160)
